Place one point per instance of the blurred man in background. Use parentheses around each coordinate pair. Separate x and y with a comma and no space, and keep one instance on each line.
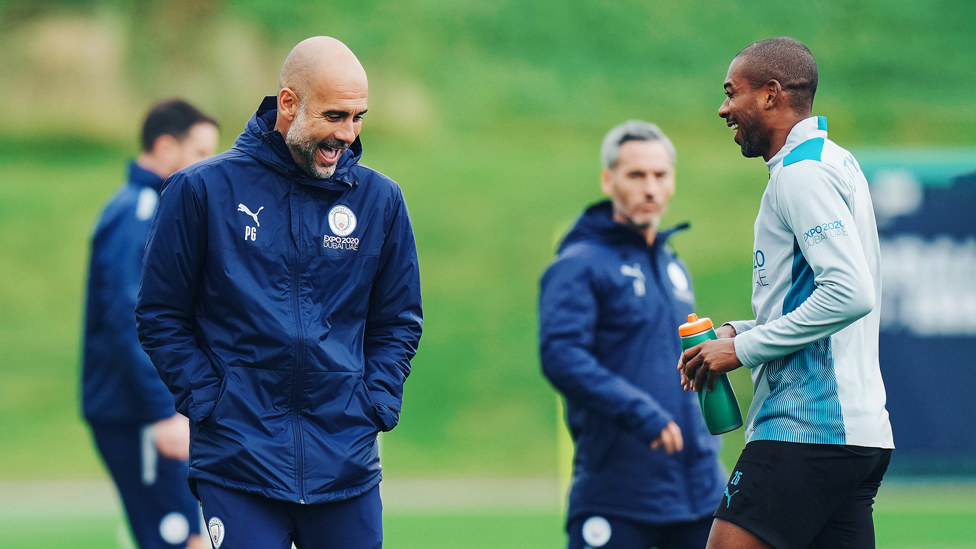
(280,303)
(818,439)
(646,471)
(143,441)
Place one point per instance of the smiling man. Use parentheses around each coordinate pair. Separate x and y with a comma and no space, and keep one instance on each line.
(818,439)
(321,114)
(645,472)
(280,303)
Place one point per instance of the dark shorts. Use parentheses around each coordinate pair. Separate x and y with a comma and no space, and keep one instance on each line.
(608,532)
(239,520)
(805,495)
(159,507)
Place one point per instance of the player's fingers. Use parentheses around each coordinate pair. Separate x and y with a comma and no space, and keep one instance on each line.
(682,377)
(711,383)
(672,444)
(701,376)
(691,365)
(679,441)
(670,439)
(701,380)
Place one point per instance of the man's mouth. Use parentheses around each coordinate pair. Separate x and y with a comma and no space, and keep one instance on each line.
(330,154)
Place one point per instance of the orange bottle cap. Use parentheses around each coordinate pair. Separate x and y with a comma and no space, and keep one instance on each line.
(695,325)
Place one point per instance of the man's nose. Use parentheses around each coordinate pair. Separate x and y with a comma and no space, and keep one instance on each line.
(346,131)
(651,187)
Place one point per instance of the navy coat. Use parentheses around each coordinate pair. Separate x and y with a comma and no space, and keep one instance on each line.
(119,383)
(609,311)
(282,312)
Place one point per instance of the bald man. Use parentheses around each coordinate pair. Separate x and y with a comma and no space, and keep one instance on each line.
(280,303)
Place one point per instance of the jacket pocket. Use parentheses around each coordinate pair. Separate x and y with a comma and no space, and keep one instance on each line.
(383,417)
(338,401)
(204,400)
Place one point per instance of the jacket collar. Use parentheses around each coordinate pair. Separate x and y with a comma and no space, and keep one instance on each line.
(143,177)
(804,130)
(597,223)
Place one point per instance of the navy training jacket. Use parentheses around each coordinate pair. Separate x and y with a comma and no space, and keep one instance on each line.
(282,312)
(609,311)
(119,383)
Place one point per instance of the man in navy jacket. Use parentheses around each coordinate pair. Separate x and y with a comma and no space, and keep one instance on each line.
(280,303)
(142,440)
(645,472)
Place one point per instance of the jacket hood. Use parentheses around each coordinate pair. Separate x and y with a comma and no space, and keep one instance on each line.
(597,224)
(267,145)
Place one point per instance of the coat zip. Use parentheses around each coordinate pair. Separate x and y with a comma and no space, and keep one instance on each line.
(300,352)
(659,281)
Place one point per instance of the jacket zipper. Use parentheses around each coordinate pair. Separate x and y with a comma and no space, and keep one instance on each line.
(299,354)
(656,253)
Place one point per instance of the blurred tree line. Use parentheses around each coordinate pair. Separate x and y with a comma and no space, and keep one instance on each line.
(89,68)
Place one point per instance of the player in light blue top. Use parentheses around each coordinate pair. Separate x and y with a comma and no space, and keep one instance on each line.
(818,436)
(816,287)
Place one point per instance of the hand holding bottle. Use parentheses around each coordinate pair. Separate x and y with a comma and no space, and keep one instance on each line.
(717,356)
(704,362)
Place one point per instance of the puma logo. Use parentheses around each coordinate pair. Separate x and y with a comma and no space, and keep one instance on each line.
(254,215)
(728,497)
(637,275)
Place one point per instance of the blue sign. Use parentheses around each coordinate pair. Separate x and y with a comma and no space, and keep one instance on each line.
(927,223)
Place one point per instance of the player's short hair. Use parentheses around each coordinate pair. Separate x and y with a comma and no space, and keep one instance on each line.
(632,130)
(785,60)
(173,117)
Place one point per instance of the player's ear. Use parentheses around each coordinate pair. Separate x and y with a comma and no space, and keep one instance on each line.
(288,104)
(773,91)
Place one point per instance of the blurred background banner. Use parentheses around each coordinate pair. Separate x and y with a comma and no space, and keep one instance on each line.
(925,200)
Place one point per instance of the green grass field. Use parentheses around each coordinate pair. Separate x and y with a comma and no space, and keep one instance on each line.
(461,516)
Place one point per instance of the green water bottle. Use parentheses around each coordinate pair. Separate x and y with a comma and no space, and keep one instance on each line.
(719,406)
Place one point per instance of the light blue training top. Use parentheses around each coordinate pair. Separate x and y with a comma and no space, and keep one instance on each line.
(813,346)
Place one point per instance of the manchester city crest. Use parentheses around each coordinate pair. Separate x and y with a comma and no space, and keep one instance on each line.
(342,221)
(215,526)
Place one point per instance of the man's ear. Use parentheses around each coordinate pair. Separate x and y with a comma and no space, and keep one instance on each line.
(774,93)
(164,147)
(288,103)
(605,182)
